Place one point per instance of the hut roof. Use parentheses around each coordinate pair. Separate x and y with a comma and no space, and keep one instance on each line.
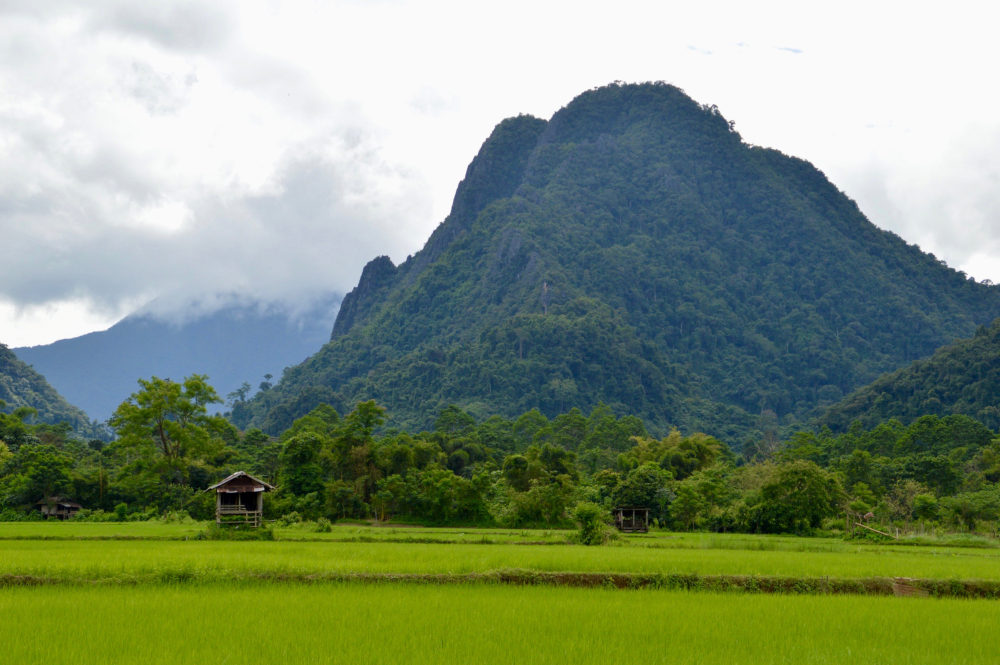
(241,481)
(58,501)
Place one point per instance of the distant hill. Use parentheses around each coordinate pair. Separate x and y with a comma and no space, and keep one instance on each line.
(633,250)
(238,343)
(20,385)
(960,378)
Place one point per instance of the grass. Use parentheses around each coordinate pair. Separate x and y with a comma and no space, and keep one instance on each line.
(156,530)
(72,530)
(143,560)
(358,623)
(164,597)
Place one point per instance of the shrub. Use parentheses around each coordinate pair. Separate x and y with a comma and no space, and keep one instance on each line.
(288,519)
(592,520)
(177,517)
(12,515)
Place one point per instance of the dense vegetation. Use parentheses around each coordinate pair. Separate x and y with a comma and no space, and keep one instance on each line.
(531,470)
(633,251)
(26,392)
(963,377)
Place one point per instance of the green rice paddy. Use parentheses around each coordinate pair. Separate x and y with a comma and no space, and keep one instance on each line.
(138,560)
(357,623)
(154,593)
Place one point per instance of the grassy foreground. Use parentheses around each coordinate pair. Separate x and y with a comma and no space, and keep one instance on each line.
(150,560)
(357,623)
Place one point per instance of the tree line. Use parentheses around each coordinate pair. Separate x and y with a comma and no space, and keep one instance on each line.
(526,471)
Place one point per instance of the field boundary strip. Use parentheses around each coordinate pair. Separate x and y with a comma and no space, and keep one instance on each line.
(763,584)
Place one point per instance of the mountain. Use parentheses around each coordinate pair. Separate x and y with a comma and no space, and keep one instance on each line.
(960,378)
(240,342)
(633,250)
(21,386)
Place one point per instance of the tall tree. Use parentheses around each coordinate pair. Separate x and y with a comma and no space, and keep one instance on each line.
(168,418)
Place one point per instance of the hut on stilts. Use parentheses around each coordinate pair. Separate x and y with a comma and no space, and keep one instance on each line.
(629,519)
(239,500)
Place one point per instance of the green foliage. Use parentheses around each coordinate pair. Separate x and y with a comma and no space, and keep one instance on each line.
(168,417)
(300,471)
(796,499)
(967,508)
(592,521)
(934,473)
(679,455)
(961,378)
(35,472)
(21,387)
(645,487)
(700,499)
(633,251)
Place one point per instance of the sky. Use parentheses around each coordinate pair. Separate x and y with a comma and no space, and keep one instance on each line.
(173,155)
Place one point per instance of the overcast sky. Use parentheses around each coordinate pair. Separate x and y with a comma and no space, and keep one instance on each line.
(185,149)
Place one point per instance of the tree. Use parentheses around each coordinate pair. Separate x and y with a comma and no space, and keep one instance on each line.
(453,422)
(35,472)
(516,471)
(796,498)
(168,419)
(645,487)
(299,472)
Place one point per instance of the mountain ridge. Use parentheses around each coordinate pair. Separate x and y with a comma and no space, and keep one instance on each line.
(959,378)
(235,343)
(22,386)
(647,259)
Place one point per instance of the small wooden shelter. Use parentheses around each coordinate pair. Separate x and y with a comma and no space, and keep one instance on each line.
(239,499)
(631,519)
(58,507)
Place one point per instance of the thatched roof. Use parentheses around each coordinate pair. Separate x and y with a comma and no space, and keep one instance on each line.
(58,501)
(241,481)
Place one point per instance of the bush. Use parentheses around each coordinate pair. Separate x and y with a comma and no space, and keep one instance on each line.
(288,519)
(177,517)
(323,525)
(592,520)
(201,506)
(12,515)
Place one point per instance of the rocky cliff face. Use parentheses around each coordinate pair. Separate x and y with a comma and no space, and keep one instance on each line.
(377,276)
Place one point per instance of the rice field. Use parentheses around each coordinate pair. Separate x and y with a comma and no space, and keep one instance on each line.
(150,592)
(151,560)
(157,530)
(405,623)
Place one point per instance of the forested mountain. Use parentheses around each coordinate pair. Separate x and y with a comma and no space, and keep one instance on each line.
(21,386)
(236,344)
(633,250)
(960,378)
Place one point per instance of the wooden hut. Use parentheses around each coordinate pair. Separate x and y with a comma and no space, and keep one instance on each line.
(239,499)
(631,519)
(58,507)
